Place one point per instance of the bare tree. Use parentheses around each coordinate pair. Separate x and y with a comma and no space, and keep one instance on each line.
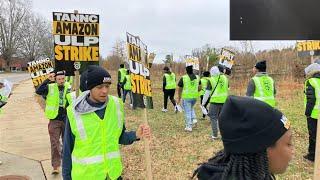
(12,15)
(119,49)
(36,41)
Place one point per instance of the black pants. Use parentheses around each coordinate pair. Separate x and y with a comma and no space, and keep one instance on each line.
(168,93)
(201,97)
(312,128)
(119,90)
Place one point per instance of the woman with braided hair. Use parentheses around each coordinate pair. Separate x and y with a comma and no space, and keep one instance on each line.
(256,139)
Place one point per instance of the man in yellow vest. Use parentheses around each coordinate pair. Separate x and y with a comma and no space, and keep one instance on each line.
(188,91)
(312,104)
(121,75)
(262,86)
(126,85)
(168,88)
(94,129)
(204,83)
(216,93)
(54,90)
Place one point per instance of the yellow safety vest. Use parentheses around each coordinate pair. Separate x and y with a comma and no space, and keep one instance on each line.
(170,81)
(52,100)
(315,83)
(96,152)
(264,89)
(190,88)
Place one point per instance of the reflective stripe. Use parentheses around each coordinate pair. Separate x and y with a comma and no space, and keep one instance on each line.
(113,155)
(51,107)
(220,95)
(261,92)
(95,159)
(317,93)
(265,98)
(116,100)
(88,160)
(80,126)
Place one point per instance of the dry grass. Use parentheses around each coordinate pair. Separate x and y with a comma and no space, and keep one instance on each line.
(175,153)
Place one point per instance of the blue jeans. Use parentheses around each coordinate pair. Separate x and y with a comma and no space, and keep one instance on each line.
(189,113)
(125,92)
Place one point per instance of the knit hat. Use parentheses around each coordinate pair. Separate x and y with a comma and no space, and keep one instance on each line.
(58,73)
(95,76)
(248,125)
(214,71)
(189,69)
(206,74)
(166,68)
(314,67)
(261,66)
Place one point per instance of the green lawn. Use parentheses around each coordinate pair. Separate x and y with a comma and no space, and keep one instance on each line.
(176,153)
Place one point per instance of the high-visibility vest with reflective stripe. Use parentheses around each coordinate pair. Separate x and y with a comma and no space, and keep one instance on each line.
(170,81)
(315,83)
(71,97)
(220,94)
(96,152)
(264,89)
(4,99)
(204,84)
(123,72)
(190,88)
(52,100)
(127,85)
(69,79)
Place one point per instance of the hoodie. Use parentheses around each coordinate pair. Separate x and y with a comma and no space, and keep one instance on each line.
(84,105)
(312,71)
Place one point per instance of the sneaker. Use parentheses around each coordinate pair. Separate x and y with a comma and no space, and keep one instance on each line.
(55,171)
(214,137)
(164,110)
(131,105)
(188,129)
(194,121)
(308,157)
(176,109)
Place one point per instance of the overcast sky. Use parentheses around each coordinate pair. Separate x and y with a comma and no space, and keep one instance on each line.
(166,26)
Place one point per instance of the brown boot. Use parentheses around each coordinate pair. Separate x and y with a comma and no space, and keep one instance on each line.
(55,171)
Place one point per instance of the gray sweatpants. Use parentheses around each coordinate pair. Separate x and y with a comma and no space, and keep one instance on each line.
(214,112)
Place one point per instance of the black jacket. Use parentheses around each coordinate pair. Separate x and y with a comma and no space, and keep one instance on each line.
(310,95)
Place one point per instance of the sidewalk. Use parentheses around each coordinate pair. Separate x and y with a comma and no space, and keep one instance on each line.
(24,139)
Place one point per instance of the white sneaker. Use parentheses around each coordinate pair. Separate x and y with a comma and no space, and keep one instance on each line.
(188,129)
(214,138)
(164,110)
(194,121)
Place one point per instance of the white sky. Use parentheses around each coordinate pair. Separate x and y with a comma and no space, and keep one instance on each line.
(166,26)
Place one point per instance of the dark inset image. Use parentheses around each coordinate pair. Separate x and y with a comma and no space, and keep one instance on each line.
(274,20)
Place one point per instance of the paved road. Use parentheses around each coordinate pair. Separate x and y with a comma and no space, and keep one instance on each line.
(15,77)
(24,139)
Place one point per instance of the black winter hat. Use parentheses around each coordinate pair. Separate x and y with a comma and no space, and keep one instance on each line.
(248,125)
(166,68)
(96,76)
(189,69)
(261,66)
(59,73)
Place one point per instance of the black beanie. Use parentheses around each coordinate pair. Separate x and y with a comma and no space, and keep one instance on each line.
(261,66)
(189,69)
(96,76)
(166,68)
(206,74)
(248,125)
(59,73)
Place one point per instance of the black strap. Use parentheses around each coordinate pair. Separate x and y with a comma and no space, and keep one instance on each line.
(215,86)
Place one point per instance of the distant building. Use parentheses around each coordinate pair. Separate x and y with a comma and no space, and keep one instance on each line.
(16,64)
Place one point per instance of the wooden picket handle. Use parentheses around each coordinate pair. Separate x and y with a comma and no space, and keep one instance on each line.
(76,82)
(316,171)
(147,148)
